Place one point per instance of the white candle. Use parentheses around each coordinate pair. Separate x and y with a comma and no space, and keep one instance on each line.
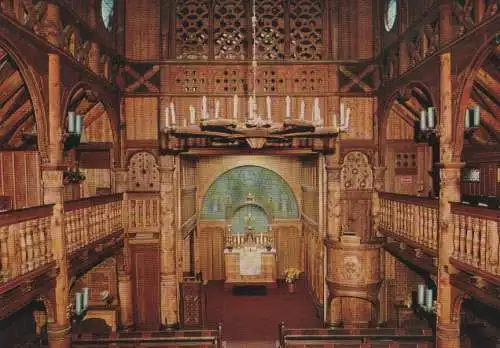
(192,114)
(302,109)
(167,117)
(477,116)
(428,299)
(430,117)
(85,298)
(422,120)
(184,122)
(71,121)
(467,119)
(335,121)
(268,102)
(204,107)
(217,107)
(172,112)
(420,294)
(78,303)
(78,124)
(348,114)
(250,107)
(288,103)
(316,112)
(235,107)
(342,115)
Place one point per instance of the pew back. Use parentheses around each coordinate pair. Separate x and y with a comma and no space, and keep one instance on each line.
(355,338)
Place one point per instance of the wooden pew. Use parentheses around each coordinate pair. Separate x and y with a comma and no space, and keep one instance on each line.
(354,338)
(143,339)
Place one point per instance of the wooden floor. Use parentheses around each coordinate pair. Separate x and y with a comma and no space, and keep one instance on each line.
(253,316)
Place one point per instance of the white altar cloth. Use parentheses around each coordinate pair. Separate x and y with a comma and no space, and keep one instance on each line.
(250,262)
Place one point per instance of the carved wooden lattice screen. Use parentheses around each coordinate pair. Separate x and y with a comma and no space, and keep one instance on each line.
(306,33)
(270,29)
(230,29)
(192,29)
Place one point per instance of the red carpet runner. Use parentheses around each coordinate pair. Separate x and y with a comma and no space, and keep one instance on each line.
(256,317)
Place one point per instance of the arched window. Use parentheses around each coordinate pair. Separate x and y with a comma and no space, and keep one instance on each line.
(391,11)
(107,8)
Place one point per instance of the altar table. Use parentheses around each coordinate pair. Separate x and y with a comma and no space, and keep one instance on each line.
(241,267)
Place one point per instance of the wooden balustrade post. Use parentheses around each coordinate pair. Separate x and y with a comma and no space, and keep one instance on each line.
(447,323)
(169,306)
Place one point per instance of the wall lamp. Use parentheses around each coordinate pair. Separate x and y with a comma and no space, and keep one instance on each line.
(472,120)
(74,130)
(428,131)
(78,309)
(425,300)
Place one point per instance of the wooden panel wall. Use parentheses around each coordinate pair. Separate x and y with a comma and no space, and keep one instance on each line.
(141,114)
(98,130)
(355,21)
(20,178)
(146,285)
(361,118)
(102,277)
(142,29)
(96,180)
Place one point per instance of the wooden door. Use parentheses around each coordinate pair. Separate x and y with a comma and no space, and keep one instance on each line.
(146,286)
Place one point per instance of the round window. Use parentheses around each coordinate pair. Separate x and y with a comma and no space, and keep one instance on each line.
(107,9)
(391,12)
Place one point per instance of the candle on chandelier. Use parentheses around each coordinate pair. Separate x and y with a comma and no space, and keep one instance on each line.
(302,109)
(342,114)
(172,112)
(204,107)
(235,107)
(288,103)
(348,114)
(217,107)
(167,117)
(268,102)
(316,110)
(192,114)
(335,121)
(250,104)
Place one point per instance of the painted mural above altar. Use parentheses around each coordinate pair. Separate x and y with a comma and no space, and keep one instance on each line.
(268,194)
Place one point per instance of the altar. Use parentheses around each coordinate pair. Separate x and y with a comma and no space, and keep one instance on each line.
(250,266)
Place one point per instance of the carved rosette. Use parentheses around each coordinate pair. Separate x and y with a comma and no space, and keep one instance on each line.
(356,172)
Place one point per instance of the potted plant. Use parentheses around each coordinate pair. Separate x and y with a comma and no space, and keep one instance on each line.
(291,274)
(73,176)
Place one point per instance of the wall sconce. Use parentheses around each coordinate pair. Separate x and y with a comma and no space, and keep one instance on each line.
(425,300)
(78,310)
(472,120)
(74,131)
(428,130)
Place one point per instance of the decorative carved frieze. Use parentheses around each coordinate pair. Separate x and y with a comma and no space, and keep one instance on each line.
(306,29)
(230,29)
(192,29)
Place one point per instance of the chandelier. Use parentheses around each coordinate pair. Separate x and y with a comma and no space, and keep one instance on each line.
(256,130)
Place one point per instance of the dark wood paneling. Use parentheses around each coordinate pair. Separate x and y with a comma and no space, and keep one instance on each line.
(146,286)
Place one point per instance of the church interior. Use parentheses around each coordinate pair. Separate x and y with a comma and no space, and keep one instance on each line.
(250,173)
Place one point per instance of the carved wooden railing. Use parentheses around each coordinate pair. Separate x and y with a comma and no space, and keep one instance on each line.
(476,237)
(411,218)
(143,211)
(90,219)
(25,241)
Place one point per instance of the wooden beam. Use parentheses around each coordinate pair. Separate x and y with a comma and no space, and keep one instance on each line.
(15,121)
(11,104)
(9,86)
(489,84)
(93,114)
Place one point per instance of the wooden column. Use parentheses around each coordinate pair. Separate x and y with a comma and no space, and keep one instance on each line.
(53,189)
(124,261)
(447,324)
(168,279)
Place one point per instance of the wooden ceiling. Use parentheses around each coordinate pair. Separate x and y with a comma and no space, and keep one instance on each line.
(409,105)
(16,109)
(486,94)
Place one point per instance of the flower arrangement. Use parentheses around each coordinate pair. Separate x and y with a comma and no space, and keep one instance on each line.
(291,274)
(73,176)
